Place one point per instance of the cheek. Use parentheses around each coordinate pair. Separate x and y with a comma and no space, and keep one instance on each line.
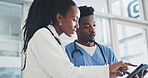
(85,33)
(71,25)
(68,25)
(74,23)
(82,33)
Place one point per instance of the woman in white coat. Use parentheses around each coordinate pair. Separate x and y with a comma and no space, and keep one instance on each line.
(45,57)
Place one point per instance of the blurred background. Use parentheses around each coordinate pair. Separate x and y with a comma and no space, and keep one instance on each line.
(120,24)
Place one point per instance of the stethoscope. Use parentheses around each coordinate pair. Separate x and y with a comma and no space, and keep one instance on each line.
(77,50)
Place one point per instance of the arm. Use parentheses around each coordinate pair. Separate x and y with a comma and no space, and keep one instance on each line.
(54,61)
(112,57)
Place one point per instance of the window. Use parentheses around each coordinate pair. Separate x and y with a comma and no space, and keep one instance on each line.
(102,31)
(98,5)
(10,72)
(10,20)
(12,51)
(132,43)
(10,40)
(128,8)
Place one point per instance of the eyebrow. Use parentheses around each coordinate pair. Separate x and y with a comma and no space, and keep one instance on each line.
(75,16)
(86,24)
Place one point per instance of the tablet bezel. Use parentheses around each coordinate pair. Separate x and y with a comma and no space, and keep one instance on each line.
(137,70)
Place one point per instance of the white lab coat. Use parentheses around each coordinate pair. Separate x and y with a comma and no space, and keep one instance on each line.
(47,59)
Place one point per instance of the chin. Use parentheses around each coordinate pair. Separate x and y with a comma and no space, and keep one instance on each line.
(92,40)
(69,35)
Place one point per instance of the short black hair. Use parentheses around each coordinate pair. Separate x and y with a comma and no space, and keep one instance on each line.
(86,11)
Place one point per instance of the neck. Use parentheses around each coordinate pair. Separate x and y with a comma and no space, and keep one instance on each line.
(58,29)
(86,43)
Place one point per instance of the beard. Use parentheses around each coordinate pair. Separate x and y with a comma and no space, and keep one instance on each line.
(92,40)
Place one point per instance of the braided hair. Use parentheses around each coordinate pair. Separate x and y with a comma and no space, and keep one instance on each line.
(41,14)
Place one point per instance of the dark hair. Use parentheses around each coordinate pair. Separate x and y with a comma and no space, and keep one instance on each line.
(41,14)
(86,11)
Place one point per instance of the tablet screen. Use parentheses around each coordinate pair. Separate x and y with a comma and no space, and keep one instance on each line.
(137,70)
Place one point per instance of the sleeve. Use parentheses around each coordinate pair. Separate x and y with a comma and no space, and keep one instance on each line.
(69,49)
(51,58)
(112,58)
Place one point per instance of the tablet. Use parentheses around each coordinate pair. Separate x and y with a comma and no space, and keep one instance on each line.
(137,70)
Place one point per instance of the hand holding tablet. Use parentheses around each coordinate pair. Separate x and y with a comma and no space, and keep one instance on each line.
(138,70)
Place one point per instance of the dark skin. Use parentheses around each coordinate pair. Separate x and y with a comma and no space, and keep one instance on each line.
(69,22)
(86,33)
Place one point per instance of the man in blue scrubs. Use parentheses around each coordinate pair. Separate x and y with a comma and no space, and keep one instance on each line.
(84,51)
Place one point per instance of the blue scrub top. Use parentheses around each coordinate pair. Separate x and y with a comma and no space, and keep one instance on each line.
(86,59)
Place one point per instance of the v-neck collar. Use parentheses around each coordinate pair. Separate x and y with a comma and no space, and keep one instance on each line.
(86,51)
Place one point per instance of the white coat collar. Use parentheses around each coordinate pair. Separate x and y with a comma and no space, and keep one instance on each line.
(51,27)
(53,31)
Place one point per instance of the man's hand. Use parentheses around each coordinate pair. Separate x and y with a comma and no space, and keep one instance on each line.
(142,74)
(119,69)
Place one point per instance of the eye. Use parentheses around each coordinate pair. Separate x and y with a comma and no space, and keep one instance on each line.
(74,19)
(86,26)
(94,25)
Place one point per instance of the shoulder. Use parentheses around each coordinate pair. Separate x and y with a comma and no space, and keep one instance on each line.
(105,48)
(41,35)
(70,45)
(42,31)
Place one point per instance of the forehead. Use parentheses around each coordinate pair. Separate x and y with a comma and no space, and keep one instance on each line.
(88,19)
(73,11)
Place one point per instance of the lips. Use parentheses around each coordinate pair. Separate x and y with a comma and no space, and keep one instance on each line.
(73,31)
(92,35)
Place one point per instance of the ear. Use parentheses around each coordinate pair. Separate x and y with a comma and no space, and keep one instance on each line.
(59,17)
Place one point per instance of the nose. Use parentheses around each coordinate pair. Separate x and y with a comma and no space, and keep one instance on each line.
(92,28)
(77,25)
